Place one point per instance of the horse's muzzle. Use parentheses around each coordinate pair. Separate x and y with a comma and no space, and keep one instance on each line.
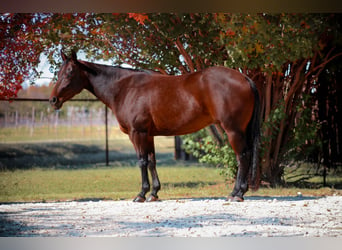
(55,102)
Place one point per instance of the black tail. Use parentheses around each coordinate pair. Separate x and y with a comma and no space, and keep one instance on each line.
(253,139)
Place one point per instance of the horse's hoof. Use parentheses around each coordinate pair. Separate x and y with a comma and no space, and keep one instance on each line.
(139,199)
(238,199)
(152,198)
(235,199)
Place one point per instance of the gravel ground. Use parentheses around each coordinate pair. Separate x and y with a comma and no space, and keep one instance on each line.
(257,216)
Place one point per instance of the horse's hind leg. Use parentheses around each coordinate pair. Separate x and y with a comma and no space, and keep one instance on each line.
(237,140)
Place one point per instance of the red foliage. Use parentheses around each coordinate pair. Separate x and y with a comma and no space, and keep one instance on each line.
(19,51)
(139,17)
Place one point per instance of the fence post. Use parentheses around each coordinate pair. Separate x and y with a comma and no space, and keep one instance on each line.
(106,119)
(33,117)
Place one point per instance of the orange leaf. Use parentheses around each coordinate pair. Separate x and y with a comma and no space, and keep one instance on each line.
(140,18)
(259,48)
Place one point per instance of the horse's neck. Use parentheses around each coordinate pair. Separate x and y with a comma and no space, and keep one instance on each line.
(103,85)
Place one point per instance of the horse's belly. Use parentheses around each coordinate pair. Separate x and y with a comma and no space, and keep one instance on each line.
(181,126)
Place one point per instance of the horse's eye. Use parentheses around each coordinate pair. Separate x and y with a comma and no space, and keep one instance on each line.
(69,72)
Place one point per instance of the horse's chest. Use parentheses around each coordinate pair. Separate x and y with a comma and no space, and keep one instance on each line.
(136,119)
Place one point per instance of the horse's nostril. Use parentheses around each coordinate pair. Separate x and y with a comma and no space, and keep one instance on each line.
(53,100)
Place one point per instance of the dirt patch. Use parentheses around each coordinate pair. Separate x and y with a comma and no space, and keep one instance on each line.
(257,216)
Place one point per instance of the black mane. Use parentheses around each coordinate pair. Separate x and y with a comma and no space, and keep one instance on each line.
(109,68)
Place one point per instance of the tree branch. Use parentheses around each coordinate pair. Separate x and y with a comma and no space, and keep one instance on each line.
(186,56)
(199,63)
(162,71)
(268,96)
(326,61)
(296,82)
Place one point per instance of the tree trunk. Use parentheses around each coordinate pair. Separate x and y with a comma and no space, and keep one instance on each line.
(266,161)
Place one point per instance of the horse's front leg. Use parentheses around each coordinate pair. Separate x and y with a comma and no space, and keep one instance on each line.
(155,179)
(144,146)
(145,184)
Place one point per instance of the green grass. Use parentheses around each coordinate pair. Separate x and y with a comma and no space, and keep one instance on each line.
(72,150)
(49,133)
(106,183)
(94,135)
(117,183)
(67,163)
(307,175)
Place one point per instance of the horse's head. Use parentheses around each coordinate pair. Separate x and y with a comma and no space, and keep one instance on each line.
(71,80)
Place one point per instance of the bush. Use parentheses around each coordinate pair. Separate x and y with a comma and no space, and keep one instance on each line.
(202,145)
(304,141)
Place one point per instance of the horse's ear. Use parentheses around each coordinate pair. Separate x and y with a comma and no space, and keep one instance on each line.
(64,57)
(74,56)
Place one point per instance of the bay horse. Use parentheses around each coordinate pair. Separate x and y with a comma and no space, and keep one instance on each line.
(148,104)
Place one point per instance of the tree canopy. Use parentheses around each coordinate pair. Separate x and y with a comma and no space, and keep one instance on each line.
(170,43)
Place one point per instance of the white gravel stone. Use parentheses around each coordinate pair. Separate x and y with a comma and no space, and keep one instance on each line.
(257,216)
